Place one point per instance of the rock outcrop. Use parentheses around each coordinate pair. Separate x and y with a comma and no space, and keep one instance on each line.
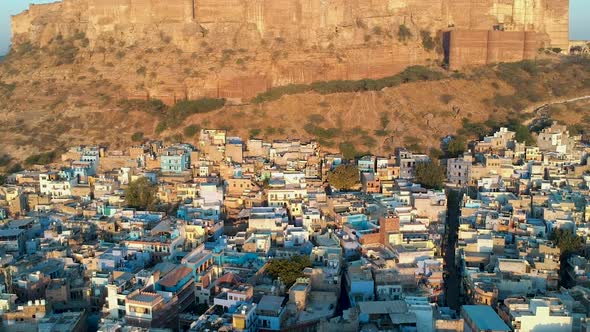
(297,41)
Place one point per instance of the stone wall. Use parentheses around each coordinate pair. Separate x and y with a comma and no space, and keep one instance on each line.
(478,47)
(313,32)
(343,22)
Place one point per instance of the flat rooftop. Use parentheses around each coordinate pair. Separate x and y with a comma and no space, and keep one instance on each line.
(299,287)
(485,318)
(145,297)
(270,303)
(173,278)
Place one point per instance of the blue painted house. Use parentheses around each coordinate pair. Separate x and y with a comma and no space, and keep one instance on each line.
(176,159)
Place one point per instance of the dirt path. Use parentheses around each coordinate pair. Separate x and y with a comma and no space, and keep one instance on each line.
(539,109)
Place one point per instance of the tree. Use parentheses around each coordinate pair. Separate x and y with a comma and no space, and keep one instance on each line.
(567,242)
(435,153)
(430,175)
(523,134)
(288,269)
(141,194)
(344,177)
(456,147)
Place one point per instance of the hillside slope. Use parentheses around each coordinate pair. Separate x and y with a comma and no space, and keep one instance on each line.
(44,113)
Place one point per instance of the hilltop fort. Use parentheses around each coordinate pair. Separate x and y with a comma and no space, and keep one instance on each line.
(284,42)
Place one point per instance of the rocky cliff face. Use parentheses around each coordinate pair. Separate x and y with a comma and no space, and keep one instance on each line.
(238,48)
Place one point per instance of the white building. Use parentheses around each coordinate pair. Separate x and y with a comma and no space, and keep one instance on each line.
(295,236)
(54,187)
(267,218)
(539,315)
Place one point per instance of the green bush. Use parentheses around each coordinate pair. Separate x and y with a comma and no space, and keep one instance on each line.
(137,137)
(508,101)
(471,129)
(538,126)
(348,150)
(191,130)
(185,108)
(79,35)
(384,119)
(319,132)
(413,144)
(24,48)
(316,118)
(65,52)
(6,90)
(254,132)
(410,74)
(404,33)
(427,40)
(14,169)
(141,71)
(278,92)
(161,127)
(153,106)
(381,133)
(368,141)
(5,160)
(41,158)
(559,88)
(577,129)
(446,98)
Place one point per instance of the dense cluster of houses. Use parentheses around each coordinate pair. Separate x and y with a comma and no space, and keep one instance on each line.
(506,251)
(75,257)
